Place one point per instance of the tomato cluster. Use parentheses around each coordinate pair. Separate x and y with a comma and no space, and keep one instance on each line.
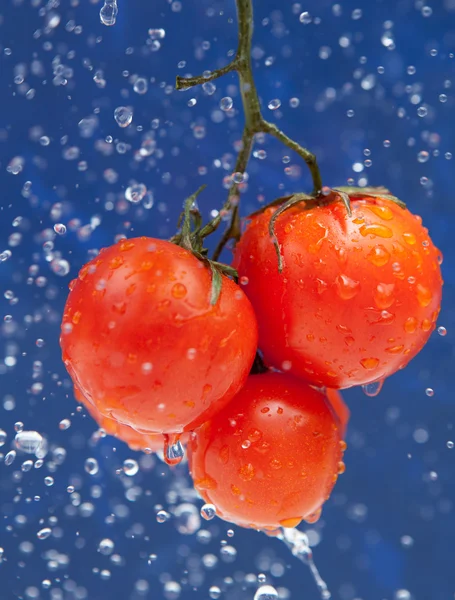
(331,298)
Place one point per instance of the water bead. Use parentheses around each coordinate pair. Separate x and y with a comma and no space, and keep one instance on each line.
(305,18)
(135,193)
(274,104)
(226,103)
(442,331)
(208,512)
(44,533)
(109,12)
(266,592)
(140,86)
(130,467)
(372,389)
(91,466)
(28,441)
(123,116)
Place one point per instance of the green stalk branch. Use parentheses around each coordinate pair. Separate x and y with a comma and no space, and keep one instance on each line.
(254,124)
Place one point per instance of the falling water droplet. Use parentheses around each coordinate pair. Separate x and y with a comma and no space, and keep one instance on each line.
(109,12)
(123,115)
(208,512)
(297,542)
(28,441)
(173,449)
(372,389)
(9,458)
(266,592)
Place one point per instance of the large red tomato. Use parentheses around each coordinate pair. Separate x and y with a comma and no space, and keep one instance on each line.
(357,298)
(143,343)
(271,457)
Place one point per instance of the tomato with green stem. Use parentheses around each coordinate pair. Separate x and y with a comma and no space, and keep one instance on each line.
(144,343)
(271,457)
(357,295)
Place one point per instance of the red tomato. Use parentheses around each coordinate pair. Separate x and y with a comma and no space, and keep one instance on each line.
(143,343)
(134,439)
(270,458)
(341,410)
(357,298)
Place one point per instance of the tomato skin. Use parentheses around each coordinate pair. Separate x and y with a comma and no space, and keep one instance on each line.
(291,464)
(341,409)
(134,439)
(143,343)
(357,298)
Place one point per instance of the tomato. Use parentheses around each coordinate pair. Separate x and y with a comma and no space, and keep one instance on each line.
(341,409)
(134,439)
(271,457)
(357,298)
(143,343)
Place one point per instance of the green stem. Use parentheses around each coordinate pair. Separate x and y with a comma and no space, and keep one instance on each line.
(254,122)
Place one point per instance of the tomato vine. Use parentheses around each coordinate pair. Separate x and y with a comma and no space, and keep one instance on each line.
(255,123)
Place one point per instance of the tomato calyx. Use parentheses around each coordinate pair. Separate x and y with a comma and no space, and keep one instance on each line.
(323,198)
(191,237)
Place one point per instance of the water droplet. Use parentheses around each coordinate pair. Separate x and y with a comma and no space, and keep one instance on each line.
(372,389)
(28,441)
(208,512)
(423,156)
(109,12)
(274,104)
(44,533)
(60,229)
(135,193)
(3,436)
(266,592)
(441,330)
(140,85)
(450,445)
(9,458)
(422,111)
(130,467)
(383,295)
(178,291)
(162,516)
(379,256)
(376,229)
(214,592)
(305,18)
(424,295)
(187,518)
(91,466)
(369,363)
(347,288)
(64,424)
(123,115)
(226,103)
(173,449)
(157,34)
(429,392)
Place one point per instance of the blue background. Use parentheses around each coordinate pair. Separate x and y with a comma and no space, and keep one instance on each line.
(394,486)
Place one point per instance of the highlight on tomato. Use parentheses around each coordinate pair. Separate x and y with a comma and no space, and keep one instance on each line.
(358,294)
(144,343)
(270,458)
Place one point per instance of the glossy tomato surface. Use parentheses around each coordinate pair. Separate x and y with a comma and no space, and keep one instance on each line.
(358,295)
(341,409)
(134,439)
(271,457)
(143,343)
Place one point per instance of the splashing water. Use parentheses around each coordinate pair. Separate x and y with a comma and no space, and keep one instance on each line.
(297,542)
(109,12)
